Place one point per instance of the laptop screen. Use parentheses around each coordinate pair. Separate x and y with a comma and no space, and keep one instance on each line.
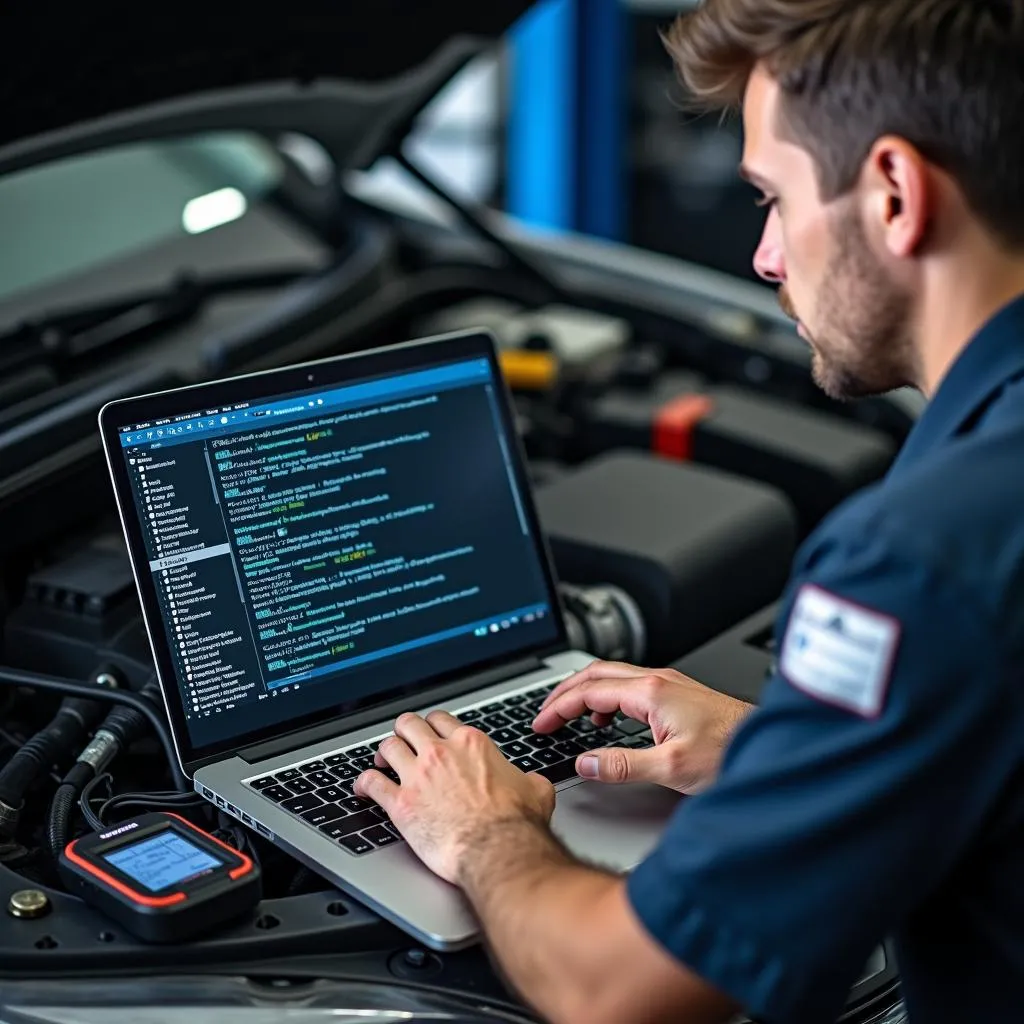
(325,549)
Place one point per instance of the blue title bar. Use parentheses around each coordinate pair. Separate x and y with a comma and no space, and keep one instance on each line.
(471,371)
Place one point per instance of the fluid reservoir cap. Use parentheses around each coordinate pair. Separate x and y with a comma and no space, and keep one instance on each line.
(28,904)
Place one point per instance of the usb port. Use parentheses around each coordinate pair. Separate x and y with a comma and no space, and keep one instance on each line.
(232,809)
(221,802)
(246,819)
(263,830)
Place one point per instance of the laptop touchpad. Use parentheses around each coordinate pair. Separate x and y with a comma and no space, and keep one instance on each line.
(613,826)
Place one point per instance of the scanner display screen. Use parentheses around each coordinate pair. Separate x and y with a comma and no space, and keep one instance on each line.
(162,860)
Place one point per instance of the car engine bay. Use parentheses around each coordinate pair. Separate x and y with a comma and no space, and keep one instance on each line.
(683,406)
(676,443)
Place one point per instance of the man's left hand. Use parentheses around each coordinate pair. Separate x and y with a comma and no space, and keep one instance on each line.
(455,786)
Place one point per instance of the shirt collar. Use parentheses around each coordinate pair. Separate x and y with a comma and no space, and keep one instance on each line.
(994,356)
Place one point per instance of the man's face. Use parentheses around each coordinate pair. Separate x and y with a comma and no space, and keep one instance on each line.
(848,307)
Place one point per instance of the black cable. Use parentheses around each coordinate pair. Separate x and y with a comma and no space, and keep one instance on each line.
(62,807)
(97,819)
(302,878)
(115,734)
(18,677)
(58,823)
(149,802)
(85,800)
(232,833)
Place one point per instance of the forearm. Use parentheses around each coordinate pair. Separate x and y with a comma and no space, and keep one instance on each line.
(534,900)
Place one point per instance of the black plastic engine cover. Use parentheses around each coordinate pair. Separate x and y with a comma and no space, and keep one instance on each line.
(697,549)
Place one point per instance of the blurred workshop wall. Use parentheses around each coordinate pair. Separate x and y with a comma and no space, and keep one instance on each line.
(576,124)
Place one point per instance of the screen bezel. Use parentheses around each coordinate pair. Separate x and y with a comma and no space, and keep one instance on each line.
(266,385)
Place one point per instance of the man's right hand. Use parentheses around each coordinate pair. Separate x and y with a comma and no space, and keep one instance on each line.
(691,723)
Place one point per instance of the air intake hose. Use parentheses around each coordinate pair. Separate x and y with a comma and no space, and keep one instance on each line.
(71,725)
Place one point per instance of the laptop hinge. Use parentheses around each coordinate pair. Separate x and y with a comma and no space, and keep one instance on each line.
(385,712)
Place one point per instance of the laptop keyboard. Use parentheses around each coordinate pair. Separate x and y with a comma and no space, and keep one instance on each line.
(319,793)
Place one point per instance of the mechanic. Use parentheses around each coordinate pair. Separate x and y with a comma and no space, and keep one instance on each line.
(877,790)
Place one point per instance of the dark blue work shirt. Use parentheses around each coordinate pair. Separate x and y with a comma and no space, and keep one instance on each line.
(878,789)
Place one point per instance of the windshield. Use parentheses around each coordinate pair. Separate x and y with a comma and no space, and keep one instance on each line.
(66,217)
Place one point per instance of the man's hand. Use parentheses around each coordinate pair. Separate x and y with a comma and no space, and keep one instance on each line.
(455,787)
(691,723)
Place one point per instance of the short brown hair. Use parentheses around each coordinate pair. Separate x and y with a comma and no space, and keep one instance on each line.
(945,75)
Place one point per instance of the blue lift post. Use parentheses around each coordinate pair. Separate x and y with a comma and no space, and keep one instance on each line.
(568,107)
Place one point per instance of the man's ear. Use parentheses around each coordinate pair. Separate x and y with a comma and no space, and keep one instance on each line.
(898,195)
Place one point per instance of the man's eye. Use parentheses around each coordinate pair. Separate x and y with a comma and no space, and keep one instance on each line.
(766,202)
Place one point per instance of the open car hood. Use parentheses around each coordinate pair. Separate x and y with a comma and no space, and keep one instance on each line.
(353,78)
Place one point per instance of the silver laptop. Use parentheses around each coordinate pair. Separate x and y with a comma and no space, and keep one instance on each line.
(322,547)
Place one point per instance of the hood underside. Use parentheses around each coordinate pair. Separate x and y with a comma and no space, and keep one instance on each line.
(352,75)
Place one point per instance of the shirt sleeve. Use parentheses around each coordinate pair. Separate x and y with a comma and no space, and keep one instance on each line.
(851,792)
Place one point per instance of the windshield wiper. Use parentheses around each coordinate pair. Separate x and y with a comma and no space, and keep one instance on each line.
(69,334)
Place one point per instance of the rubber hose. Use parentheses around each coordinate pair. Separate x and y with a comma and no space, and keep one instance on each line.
(129,724)
(123,725)
(152,712)
(58,826)
(50,745)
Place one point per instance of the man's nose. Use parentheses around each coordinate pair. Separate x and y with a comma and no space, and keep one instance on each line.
(769,263)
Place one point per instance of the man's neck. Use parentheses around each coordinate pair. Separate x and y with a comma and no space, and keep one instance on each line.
(961,298)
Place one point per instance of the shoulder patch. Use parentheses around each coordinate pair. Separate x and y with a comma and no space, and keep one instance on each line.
(839,652)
